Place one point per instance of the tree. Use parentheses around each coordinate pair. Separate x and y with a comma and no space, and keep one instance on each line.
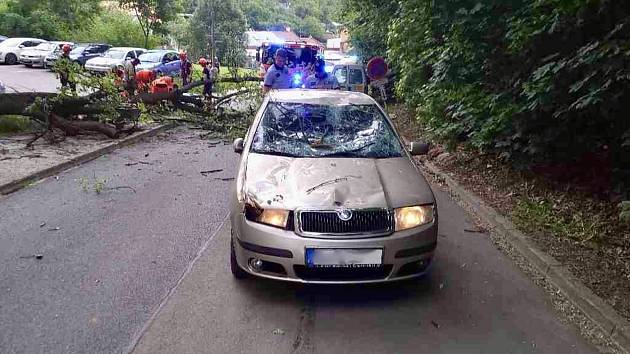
(151,14)
(223,24)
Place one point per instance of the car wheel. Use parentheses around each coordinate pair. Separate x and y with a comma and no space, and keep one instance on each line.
(10,59)
(236,269)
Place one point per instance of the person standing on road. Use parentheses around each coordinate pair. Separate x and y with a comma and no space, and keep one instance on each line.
(185,68)
(63,68)
(321,80)
(209,76)
(130,76)
(277,76)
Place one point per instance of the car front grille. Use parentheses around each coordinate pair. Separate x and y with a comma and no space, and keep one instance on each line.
(362,222)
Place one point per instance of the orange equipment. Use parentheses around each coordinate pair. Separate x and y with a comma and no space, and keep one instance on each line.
(163,84)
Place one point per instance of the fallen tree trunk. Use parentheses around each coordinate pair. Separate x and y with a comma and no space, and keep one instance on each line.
(76,127)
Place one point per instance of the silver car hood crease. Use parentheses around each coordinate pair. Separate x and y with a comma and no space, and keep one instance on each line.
(332,183)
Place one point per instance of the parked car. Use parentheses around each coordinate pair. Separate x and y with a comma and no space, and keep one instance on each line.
(37,55)
(327,192)
(83,53)
(161,62)
(11,48)
(113,57)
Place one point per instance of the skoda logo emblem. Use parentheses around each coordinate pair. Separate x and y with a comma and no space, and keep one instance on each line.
(345,214)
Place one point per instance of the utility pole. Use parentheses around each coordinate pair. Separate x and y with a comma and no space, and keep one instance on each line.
(212,42)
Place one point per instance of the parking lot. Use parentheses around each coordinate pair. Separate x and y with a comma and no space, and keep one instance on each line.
(18,78)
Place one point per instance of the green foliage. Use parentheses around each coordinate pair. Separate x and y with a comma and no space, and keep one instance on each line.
(48,19)
(14,124)
(368,22)
(229,32)
(116,28)
(151,15)
(305,17)
(533,216)
(537,81)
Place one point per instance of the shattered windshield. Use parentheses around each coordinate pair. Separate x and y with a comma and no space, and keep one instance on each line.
(309,130)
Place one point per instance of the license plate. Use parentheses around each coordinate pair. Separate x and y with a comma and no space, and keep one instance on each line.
(343,257)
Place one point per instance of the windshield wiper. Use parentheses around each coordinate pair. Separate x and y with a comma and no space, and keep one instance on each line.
(275,153)
(348,153)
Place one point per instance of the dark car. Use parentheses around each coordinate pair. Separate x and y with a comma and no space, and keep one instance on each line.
(84,52)
(160,62)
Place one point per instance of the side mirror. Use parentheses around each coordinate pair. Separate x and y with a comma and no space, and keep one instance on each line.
(416,148)
(239,145)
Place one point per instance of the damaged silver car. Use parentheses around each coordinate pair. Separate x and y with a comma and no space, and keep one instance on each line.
(328,193)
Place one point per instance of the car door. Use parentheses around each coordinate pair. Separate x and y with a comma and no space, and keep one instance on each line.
(356,79)
(172,64)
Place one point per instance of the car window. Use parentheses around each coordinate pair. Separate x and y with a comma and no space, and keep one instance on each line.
(340,74)
(115,54)
(355,77)
(130,54)
(150,57)
(309,130)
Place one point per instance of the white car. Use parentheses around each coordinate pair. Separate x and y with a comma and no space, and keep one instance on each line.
(11,49)
(36,56)
(113,57)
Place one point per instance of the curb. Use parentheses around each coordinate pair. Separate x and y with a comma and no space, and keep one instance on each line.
(582,297)
(78,160)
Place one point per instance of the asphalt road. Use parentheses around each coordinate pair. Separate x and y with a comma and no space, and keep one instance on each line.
(149,271)
(19,78)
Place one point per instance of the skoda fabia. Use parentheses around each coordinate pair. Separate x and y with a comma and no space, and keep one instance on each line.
(327,192)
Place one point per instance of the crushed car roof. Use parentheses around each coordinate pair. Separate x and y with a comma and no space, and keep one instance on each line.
(325,97)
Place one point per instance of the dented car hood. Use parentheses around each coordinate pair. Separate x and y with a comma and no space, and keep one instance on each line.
(329,183)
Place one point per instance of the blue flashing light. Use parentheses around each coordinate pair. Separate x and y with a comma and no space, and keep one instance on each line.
(297,79)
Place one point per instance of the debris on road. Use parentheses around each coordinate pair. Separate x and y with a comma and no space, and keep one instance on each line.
(476,230)
(435,324)
(55,229)
(146,155)
(139,162)
(42,224)
(205,173)
(278,332)
(225,179)
(36,256)
(121,187)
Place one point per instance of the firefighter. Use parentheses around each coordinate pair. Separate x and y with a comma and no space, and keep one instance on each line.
(130,76)
(62,67)
(185,68)
(209,76)
(320,79)
(277,76)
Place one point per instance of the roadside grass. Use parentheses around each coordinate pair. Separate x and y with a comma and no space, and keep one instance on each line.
(543,216)
(11,124)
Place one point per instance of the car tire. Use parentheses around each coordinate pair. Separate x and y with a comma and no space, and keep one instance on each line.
(10,59)
(236,269)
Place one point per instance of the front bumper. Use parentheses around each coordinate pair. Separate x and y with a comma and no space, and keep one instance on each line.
(406,254)
(99,69)
(32,61)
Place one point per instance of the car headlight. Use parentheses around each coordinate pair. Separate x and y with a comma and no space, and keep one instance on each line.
(271,217)
(413,216)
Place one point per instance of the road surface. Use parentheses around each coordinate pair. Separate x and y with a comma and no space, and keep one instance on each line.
(148,271)
(19,78)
